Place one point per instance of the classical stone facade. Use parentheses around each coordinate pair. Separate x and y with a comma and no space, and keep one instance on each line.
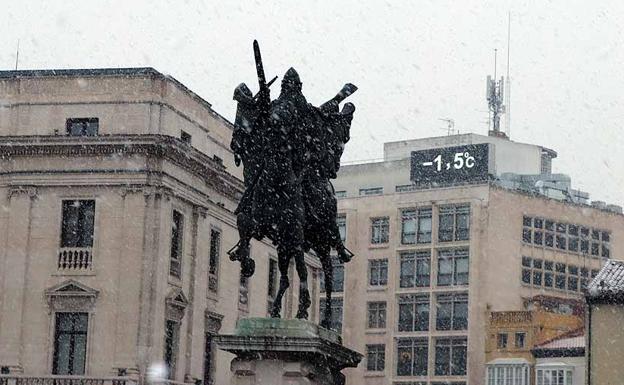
(117,192)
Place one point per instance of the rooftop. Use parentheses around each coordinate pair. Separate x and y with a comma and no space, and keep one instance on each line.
(608,286)
(570,344)
(110,72)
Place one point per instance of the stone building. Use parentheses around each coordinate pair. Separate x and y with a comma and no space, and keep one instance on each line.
(605,334)
(514,337)
(117,192)
(447,230)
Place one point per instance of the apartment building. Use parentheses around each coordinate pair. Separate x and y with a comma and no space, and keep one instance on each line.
(117,193)
(447,230)
(604,339)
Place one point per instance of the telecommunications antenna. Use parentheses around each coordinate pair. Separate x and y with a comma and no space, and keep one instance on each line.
(450,126)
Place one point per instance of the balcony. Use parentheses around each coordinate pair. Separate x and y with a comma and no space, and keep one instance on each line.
(511,317)
(79,259)
(18,379)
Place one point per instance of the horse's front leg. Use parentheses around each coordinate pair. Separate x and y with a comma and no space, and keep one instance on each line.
(240,252)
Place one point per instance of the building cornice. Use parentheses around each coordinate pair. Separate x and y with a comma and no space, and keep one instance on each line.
(157,146)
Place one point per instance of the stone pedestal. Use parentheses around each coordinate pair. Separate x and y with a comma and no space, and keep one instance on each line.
(273,351)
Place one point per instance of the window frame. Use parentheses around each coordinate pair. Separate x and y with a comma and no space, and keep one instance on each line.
(374,311)
(377,352)
(87,125)
(80,223)
(412,302)
(176,246)
(455,214)
(378,272)
(72,334)
(380,230)
(421,261)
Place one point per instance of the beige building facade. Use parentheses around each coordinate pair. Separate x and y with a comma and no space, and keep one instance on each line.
(432,262)
(117,198)
(605,335)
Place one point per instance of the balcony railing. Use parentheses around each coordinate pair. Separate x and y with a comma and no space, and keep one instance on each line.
(75,259)
(18,379)
(511,317)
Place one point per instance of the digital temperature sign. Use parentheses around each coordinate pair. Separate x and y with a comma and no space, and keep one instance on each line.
(451,165)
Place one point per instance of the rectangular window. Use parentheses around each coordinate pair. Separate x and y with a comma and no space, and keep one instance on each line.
(341,221)
(209,357)
(501,341)
(376,315)
(341,194)
(337,275)
(452,312)
(453,267)
(454,223)
(380,230)
(450,356)
(338,272)
(185,137)
(78,223)
(172,340)
(82,126)
(213,260)
(416,226)
(70,343)
(371,191)
(413,313)
(336,319)
(175,255)
(415,269)
(378,272)
(520,340)
(555,376)
(375,358)
(272,284)
(412,356)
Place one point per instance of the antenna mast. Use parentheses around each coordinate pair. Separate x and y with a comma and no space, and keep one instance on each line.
(494,95)
(508,94)
(17,55)
(450,126)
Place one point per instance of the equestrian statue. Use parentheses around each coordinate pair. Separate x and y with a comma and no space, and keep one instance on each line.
(290,150)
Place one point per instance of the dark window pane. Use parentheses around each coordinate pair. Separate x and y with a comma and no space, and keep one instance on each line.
(443,318)
(442,360)
(548,279)
(78,223)
(526,276)
(82,126)
(549,240)
(70,343)
(526,261)
(527,221)
(445,229)
(560,281)
(538,238)
(458,364)
(526,235)
(538,223)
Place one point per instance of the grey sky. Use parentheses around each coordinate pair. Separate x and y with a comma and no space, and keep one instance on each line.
(414,61)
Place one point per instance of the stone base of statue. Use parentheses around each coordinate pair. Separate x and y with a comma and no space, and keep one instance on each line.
(286,352)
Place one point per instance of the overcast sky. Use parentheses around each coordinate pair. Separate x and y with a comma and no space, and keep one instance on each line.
(414,62)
